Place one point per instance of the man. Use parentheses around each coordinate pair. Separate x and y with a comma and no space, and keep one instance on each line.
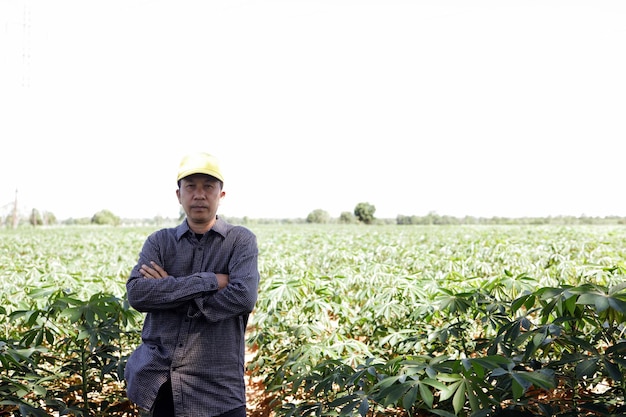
(197,284)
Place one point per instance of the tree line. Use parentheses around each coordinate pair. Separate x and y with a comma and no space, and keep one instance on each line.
(363,213)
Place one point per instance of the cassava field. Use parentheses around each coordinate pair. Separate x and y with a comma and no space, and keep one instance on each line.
(351,320)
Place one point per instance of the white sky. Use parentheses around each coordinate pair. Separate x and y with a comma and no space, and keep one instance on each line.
(484,108)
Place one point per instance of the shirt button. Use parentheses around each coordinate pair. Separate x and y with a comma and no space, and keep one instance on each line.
(199,248)
(180,345)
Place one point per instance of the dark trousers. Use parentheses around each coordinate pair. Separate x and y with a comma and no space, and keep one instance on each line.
(164,404)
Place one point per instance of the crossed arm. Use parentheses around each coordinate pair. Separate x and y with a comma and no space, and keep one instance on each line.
(217,296)
(156,271)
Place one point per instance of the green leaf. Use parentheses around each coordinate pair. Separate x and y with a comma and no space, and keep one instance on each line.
(471,396)
(341,401)
(410,398)
(543,378)
(519,302)
(570,305)
(434,383)
(426,394)
(347,409)
(39,390)
(518,389)
(49,336)
(539,338)
(73,313)
(395,394)
(598,300)
(602,304)
(449,391)
(613,370)
(386,382)
(40,292)
(364,407)
(586,368)
(449,377)
(617,348)
(19,314)
(459,399)
(617,305)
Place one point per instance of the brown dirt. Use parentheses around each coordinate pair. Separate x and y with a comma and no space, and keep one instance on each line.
(259,402)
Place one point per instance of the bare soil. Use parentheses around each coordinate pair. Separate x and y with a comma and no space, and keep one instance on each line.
(259,403)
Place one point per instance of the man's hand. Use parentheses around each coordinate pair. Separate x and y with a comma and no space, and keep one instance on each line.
(152,271)
(222,280)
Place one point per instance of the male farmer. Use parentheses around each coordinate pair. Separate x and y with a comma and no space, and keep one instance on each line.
(197,284)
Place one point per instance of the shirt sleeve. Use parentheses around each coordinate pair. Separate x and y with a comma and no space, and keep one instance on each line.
(151,294)
(240,295)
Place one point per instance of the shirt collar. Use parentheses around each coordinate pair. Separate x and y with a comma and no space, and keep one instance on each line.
(220,226)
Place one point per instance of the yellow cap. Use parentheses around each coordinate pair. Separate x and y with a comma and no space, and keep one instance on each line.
(199,163)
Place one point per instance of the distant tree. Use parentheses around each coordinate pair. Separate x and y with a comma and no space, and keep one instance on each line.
(347,218)
(403,220)
(318,216)
(35,218)
(48,218)
(105,217)
(365,212)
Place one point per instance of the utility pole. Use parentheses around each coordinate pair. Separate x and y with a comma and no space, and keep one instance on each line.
(15,218)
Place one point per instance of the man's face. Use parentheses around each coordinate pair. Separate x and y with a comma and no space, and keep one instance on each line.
(200,197)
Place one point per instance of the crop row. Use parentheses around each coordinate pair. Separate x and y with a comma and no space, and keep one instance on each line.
(350,319)
(367,319)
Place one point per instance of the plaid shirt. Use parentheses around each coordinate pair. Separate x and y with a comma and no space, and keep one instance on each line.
(193,333)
